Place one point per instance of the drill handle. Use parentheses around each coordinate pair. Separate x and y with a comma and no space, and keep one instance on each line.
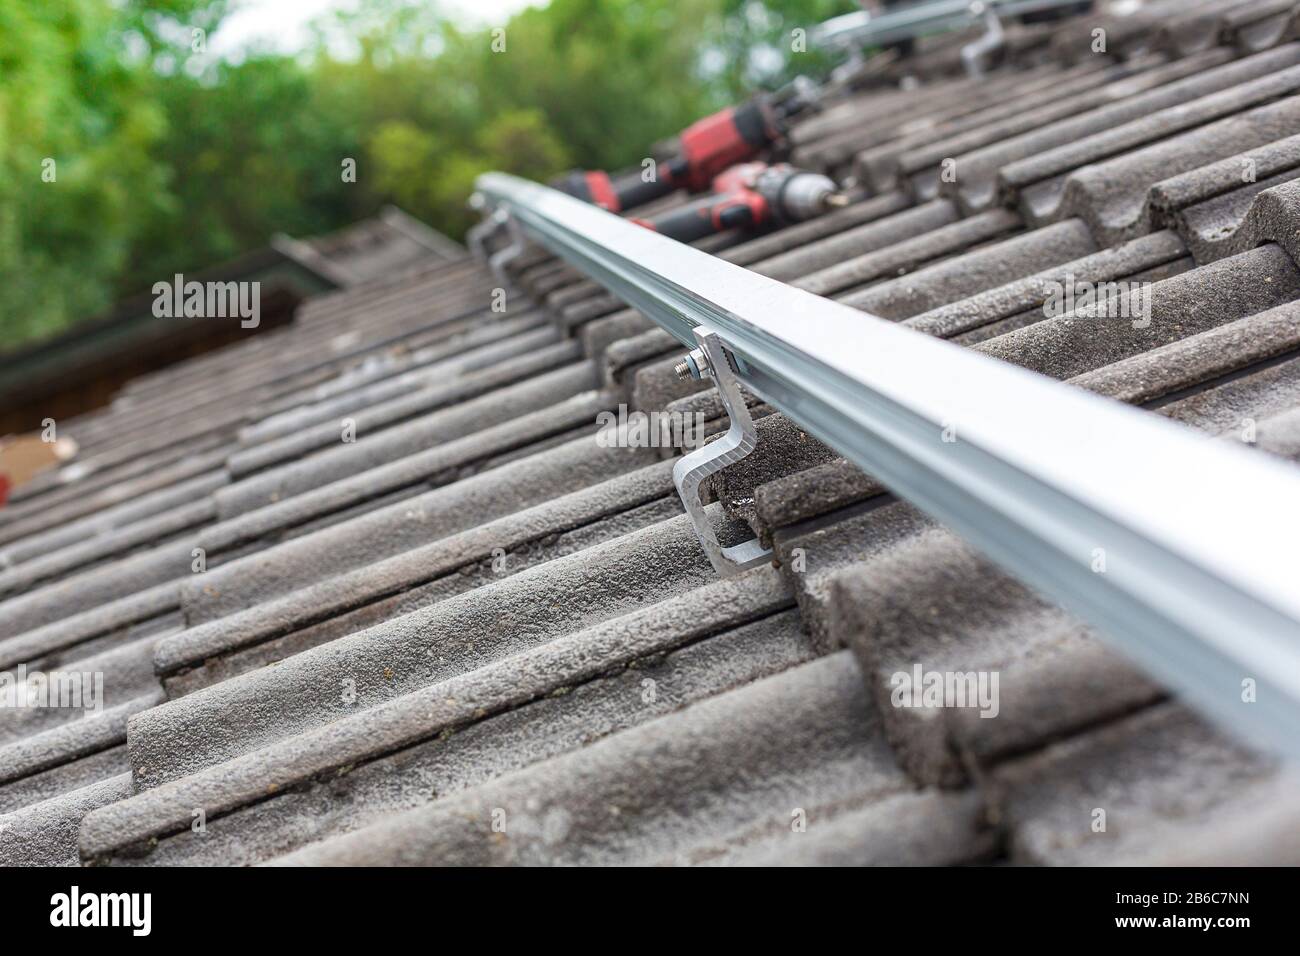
(741,209)
(616,194)
(632,190)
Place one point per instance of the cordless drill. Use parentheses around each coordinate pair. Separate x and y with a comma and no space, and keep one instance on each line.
(748,196)
(706,148)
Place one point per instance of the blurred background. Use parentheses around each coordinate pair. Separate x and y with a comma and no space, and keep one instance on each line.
(186,132)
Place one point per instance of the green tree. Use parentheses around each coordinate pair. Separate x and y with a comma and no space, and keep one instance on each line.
(167,159)
(249,150)
(78,181)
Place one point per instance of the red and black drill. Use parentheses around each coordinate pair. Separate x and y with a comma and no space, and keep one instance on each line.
(707,148)
(749,196)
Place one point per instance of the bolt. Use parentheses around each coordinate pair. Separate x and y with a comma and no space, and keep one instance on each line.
(695,365)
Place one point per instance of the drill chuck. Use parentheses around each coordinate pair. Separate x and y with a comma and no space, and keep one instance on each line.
(749,196)
(795,195)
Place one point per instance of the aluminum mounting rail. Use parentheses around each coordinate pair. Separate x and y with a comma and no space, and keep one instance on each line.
(1182,551)
(858,29)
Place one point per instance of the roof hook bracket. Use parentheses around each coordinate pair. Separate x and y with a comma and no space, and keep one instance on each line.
(712,358)
(974,54)
(503,257)
(477,237)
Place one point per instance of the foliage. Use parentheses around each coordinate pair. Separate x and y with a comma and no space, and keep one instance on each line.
(169,159)
(77,127)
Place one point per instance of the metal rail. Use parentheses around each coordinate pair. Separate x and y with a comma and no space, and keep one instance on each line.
(859,29)
(1182,551)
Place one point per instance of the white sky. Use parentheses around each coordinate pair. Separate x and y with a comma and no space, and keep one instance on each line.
(281,23)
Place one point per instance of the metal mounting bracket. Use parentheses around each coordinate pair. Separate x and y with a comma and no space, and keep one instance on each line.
(477,237)
(500,258)
(974,53)
(713,359)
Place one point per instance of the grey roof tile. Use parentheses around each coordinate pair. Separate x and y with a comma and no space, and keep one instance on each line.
(783,448)
(1015,298)
(889,164)
(905,255)
(1198,359)
(925,828)
(407,652)
(931,602)
(511,725)
(252,606)
(60,746)
(106,546)
(837,221)
(44,833)
(1264,23)
(1239,399)
(1111,195)
(807,494)
(978,171)
(726,773)
(1214,294)
(987,267)
(310,455)
(876,234)
(1164,782)
(1209,204)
